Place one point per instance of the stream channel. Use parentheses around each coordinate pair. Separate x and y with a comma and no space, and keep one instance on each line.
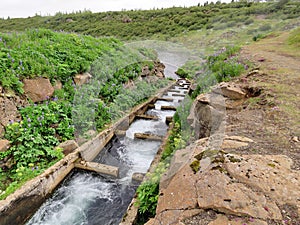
(86,197)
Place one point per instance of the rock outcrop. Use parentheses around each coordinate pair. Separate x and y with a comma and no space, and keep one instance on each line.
(68,146)
(4,145)
(39,89)
(81,79)
(238,188)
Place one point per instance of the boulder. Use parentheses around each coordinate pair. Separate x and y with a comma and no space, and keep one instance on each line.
(68,146)
(230,91)
(4,145)
(207,115)
(57,85)
(39,89)
(8,111)
(145,71)
(81,79)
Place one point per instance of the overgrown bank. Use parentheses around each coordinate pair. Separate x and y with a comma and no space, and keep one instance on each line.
(73,109)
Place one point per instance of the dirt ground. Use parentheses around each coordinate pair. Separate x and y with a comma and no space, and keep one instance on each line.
(271,119)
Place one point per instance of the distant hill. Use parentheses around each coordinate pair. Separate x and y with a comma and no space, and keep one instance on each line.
(159,23)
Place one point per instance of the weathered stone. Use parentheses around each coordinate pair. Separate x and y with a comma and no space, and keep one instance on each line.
(271,174)
(177,187)
(57,85)
(138,176)
(233,144)
(215,190)
(295,139)
(38,89)
(1,131)
(145,71)
(207,115)
(230,91)
(8,111)
(239,138)
(81,79)
(4,145)
(173,216)
(224,220)
(68,146)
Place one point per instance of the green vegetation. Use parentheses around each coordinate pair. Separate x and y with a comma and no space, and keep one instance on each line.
(57,56)
(74,109)
(294,38)
(221,66)
(158,23)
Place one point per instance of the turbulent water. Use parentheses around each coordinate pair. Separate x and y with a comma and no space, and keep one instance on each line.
(86,198)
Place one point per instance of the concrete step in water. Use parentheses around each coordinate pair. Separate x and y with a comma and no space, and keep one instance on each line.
(152,137)
(98,167)
(168,107)
(165,99)
(178,95)
(146,117)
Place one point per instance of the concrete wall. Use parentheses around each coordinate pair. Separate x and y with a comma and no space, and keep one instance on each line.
(21,205)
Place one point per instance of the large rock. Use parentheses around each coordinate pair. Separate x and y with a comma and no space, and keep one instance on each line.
(239,187)
(39,89)
(81,79)
(207,115)
(4,145)
(230,91)
(8,111)
(68,146)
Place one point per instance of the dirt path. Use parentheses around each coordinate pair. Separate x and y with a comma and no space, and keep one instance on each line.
(271,119)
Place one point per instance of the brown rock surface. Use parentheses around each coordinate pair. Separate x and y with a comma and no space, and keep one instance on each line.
(246,187)
(38,89)
(81,79)
(68,146)
(230,91)
(4,145)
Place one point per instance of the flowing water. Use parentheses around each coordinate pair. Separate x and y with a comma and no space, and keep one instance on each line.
(89,198)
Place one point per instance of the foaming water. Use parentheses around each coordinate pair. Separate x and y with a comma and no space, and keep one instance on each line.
(161,114)
(69,203)
(160,103)
(147,126)
(140,154)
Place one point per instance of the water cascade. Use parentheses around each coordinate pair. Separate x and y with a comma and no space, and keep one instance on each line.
(86,197)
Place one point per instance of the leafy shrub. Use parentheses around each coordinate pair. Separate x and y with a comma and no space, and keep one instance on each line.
(42,127)
(265,27)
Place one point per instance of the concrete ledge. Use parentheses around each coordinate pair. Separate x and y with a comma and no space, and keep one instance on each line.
(148,136)
(15,208)
(179,95)
(168,107)
(174,90)
(146,117)
(165,99)
(99,168)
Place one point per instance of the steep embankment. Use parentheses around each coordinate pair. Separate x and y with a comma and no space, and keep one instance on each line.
(247,170)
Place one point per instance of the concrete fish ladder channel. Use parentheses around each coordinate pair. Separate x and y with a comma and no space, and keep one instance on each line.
(96,183)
